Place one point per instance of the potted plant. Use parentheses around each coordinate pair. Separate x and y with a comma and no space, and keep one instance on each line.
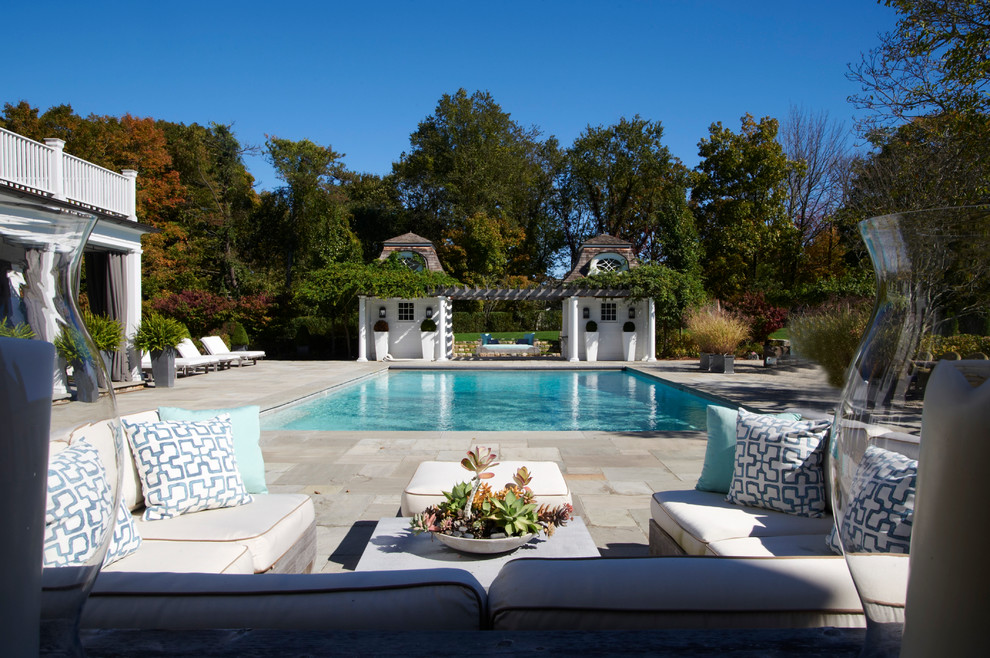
(381,340)
(718,333)
(238,337)
(19,330)
(427,336)
(476,518)
(158,335)
(107,334)
(629,340)
(591,340)
(71,346)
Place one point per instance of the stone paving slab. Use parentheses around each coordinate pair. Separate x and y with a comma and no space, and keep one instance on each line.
(355,478)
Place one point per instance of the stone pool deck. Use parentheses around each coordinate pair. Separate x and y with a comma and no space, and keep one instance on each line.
(355,478)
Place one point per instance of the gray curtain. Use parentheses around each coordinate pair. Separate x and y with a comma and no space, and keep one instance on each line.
(106,285)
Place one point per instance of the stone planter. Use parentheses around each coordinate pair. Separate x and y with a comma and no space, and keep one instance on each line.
(163,368)
(429,341)
(723,363)
(629,345)
(706,361)
(591,345)
(381,345)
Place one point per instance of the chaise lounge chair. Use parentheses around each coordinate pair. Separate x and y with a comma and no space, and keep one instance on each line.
(216,347)
(187,350)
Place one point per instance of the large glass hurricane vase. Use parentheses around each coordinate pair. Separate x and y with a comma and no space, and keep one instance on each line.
(932,272)
(40,256)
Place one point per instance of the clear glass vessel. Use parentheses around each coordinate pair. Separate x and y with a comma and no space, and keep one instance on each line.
(933,281)
(40,257)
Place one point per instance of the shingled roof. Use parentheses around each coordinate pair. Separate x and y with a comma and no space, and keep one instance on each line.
(601,244)
(416,244)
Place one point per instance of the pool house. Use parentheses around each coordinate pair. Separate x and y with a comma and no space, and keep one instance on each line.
(611,310)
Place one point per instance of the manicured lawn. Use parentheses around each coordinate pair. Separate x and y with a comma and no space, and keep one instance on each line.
(782,334)
(508,335)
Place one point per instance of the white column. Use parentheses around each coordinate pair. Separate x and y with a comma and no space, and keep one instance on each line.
(131,204)
(57,183)
(441,353)
(132,312)
(362,328)
(651,332)
(572,339)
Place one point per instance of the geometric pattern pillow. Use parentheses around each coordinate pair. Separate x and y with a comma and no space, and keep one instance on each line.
(779,464)
(79,505)
(126,538)
(881,512)
(186,466)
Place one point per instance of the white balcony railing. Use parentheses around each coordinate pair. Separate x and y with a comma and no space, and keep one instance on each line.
(46,170)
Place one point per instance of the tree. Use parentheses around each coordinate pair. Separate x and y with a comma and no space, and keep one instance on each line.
(626,183)
(935,61)
(816,147)
(309,214)
(470,157)
(739,198)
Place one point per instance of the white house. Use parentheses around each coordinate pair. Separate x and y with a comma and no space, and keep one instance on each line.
(38,184)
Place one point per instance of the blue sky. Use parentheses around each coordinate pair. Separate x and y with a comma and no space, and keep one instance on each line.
(360,76)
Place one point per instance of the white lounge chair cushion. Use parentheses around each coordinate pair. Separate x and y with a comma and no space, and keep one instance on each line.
(215,345)
(187,557)
(268,527)
(673,592)
(186,466)
(431,479)
(696,518)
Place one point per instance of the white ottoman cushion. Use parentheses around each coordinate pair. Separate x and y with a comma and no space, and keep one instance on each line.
(431,479)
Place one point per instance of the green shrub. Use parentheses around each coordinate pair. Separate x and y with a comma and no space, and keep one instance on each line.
(964,344)
(238,335)
(107,333)
(830,336)
(629,326)
(428,325)
(716,330)
(381,325)
(591,326)
(20,330)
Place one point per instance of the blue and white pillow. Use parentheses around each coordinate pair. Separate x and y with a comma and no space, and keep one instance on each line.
(186,466)
(881,513)
(779,464)
(78,506)
(126,538)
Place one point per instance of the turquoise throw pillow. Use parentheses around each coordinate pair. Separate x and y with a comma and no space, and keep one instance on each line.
(720,453)
(246,427)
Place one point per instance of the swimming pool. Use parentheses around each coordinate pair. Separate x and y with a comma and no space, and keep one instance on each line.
(475,400)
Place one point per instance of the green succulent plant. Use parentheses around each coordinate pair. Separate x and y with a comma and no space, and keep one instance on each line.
(513,514)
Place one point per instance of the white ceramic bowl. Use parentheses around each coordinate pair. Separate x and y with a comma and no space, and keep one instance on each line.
(483,546)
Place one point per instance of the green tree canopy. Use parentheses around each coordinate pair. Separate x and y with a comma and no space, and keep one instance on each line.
(625,182)
(739,197)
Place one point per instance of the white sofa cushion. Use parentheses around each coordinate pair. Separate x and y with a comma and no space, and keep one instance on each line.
(781,546)
(186,466)
(696,518)
(268,527)
(412,600)
(187,557)
(779,464)
(432,478)
(673,592)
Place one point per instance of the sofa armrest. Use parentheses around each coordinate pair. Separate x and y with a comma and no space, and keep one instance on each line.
(673,592)
(439,599)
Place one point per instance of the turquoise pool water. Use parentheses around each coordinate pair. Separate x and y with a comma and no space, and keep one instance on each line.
(471,400)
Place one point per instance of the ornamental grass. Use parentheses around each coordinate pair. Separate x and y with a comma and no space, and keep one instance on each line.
(716,330)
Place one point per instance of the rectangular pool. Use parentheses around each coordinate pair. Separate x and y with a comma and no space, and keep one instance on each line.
(487,400)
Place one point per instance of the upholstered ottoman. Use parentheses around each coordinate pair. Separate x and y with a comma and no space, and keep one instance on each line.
(431,479)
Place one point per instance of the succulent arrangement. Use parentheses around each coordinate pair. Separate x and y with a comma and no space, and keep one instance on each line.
(475,510)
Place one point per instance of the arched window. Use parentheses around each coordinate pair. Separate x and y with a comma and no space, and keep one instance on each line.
(412,260)
(603,263)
